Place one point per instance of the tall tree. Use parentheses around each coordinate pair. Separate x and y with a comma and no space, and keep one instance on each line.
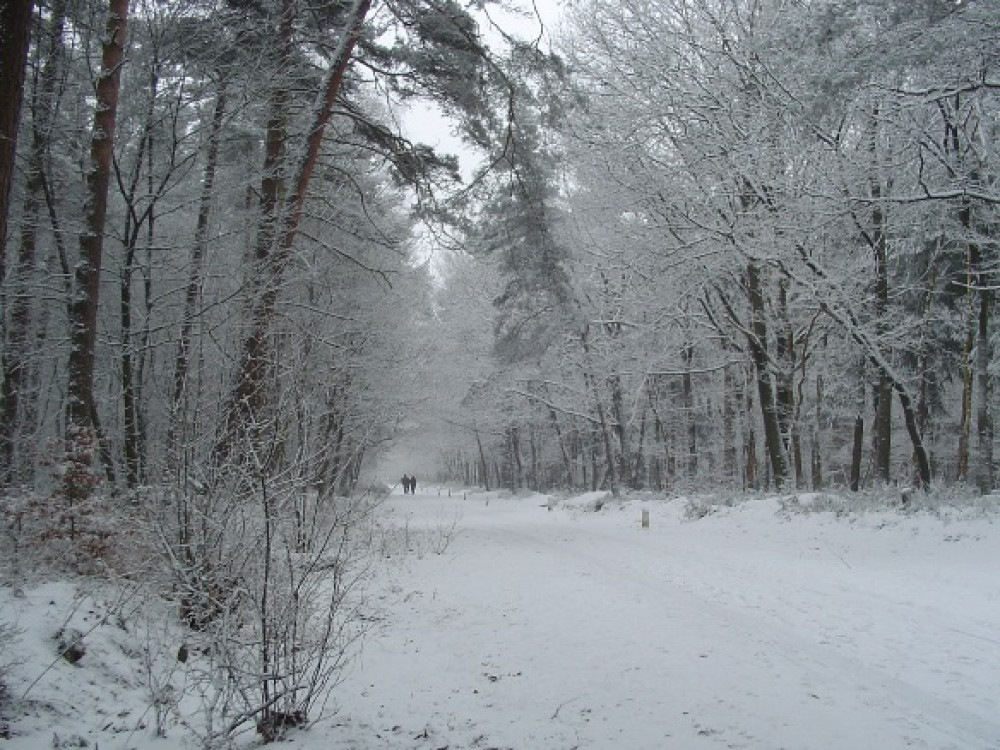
(81,407)
(15,34)
(278,229)
(19,397)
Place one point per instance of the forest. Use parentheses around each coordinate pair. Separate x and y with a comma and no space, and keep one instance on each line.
(744,245)
(734,245)
(747,243)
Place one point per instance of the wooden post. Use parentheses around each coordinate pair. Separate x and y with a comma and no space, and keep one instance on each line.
(645,518)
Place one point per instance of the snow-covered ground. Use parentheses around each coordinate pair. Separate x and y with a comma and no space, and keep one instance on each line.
(512,625)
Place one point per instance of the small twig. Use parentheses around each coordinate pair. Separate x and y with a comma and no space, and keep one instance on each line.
(562,705)
(838,556)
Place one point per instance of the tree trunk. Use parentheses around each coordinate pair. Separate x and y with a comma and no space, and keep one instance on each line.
(757,341)
(845,319)
(609,451)
(534,473)
(602,423)
(563,450)
(984,417)
(690,424)
(858,443)
(919,453)
(132,421)
(784,356)
(130,417)
(728,425)
(967,370)
(15,35)
(175,428)
(924,369)
(750,479)
(482,462)
(18,397)
(857,452)
(638,474)
(882,429)
(517,463)
(621,434)
(81,408)
(657,464)
(816,467)
(16,361)
(245,401)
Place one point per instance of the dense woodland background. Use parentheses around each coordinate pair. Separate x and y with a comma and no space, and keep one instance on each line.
(715,244)
(744,242)
(754,247)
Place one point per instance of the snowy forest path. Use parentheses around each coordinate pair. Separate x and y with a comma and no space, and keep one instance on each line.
(573,629)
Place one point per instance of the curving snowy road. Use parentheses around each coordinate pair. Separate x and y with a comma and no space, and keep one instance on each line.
(538,629)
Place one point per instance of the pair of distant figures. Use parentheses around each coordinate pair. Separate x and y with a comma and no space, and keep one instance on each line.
(409,485)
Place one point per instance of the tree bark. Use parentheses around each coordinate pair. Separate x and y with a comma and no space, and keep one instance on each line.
(757,341)
(621,434)
(567,462)
(910,419)
(728,425)
(788,405)
(18,398)
(639,473)
(816,468)
(81,408)
(690,424)
(984,417)
(784,356)
(750,478)
(15,35)
(965,421)
(602,423)
(534,473)
(882,431)
(609,451)
(658,464)
(857,451)
(517,463)
(924,369)
(482,462)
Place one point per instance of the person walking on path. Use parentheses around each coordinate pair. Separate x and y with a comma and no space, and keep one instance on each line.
(406,484)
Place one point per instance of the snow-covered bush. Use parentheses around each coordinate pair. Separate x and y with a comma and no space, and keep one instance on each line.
(268,578)
(394,539)
(57,534)
(74,526)
(940,501)
(699,506)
